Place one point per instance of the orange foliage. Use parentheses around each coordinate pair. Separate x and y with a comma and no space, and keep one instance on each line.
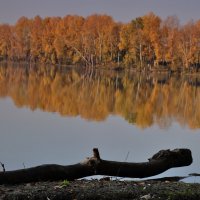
(99,40)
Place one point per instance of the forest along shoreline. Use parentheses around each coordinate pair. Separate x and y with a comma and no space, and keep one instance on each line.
(101,189)
(98,40)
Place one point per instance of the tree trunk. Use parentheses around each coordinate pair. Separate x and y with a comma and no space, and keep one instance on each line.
(141,64)
(160,162)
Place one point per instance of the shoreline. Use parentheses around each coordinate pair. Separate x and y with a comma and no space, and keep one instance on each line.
(161,69)
(101,189)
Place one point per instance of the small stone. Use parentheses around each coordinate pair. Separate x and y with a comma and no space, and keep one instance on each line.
(148,196)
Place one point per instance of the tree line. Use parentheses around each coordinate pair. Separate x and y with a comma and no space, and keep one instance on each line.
(144,42)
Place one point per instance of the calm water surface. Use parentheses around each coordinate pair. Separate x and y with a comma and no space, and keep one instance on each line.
(51,115)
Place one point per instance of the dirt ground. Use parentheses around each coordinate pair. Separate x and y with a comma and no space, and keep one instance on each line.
(101,189)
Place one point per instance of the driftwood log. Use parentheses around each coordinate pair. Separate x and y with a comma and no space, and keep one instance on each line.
(160,162)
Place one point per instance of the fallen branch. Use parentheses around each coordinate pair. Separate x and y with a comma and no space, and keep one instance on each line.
(160,162)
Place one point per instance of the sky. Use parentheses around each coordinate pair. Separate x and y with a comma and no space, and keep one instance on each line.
(120,10)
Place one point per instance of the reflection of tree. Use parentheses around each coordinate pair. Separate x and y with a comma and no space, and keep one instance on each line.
(95,94)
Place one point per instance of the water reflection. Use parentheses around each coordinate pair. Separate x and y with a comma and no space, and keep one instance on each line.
(95,94)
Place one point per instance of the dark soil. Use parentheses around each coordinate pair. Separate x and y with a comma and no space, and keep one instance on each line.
(104,189)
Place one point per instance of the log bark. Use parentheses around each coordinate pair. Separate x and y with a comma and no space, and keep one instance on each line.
(160,162)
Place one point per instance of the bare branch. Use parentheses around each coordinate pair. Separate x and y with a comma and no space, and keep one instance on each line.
(3,166)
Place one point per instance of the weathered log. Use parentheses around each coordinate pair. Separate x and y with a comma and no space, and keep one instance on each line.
(160,162)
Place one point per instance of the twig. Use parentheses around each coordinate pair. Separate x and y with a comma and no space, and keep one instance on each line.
(24,165)
(126,157)
(120,166)
(3,166)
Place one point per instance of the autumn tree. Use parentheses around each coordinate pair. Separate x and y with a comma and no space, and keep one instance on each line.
(99,35)
(169,39)
(151,32)
(132,43)
(73,27)
(187,44)
(5,44)
(48,38)
(127,44)
(196,38)
(21,42)
(36,49)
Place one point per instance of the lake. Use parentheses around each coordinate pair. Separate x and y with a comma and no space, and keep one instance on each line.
(57,115)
